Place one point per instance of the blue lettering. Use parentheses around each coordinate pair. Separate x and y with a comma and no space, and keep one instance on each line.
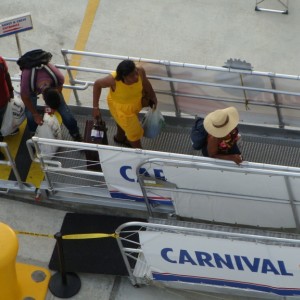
(158,173)
(204,258)
(227,261)
(267,266)
(253,267)
(164,255)
(144,172)
(238,262)
(123,172)
(283,269)
(185,257)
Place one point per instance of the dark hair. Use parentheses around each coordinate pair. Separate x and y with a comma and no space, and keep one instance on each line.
(52,97)
(125,68)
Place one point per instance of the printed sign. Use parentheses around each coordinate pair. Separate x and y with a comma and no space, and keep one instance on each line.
(119,169)
(222,262)
(15,24)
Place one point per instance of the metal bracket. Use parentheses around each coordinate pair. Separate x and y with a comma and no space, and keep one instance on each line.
(281,11)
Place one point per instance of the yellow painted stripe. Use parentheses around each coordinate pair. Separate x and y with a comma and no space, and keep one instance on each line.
(13,143)
(82,39)
(35,176)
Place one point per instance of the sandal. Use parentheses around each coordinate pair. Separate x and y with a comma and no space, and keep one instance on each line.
(125,142)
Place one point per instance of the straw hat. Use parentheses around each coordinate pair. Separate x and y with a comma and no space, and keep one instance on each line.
(220,122)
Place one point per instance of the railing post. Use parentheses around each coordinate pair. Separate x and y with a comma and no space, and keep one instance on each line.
(40,157)
(12,164)
(70,76)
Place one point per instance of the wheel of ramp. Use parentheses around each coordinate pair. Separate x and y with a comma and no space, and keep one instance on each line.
(17,280)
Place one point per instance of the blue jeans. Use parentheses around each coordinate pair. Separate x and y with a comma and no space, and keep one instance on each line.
(63,109)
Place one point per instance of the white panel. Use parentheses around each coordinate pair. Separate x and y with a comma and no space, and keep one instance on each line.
(233,210)
(234,263)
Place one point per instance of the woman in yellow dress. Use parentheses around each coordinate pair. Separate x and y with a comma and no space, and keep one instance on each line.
(130,91)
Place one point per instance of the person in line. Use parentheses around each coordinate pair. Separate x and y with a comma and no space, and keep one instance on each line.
(130,91)
(223,134)
(6,93)
(45,85)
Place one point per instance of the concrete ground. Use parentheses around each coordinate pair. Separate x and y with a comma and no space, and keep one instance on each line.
(206,32)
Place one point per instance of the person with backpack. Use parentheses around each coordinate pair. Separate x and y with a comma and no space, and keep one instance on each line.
(6,93)
(222,135)
(40,77)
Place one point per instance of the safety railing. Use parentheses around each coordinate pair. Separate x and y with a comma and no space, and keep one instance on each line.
(189,183)
(64,162)
(134,257)
(253,188)
(11,164)
(190,89)
(197,89)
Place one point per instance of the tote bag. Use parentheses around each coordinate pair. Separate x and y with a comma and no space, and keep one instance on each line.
(49,130)
(153,123)
(13,116)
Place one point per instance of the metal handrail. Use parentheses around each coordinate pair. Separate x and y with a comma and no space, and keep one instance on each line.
(125,228)
(248,168)
(180,64)
(11,163)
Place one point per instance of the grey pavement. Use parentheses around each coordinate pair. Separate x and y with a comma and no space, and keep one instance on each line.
(206,32)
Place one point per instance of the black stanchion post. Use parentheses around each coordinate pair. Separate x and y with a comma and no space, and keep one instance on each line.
(63,284)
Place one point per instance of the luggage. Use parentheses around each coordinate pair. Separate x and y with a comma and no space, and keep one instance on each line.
(96,137)
(198,135)
(49,130)
(153,122)
(13,117)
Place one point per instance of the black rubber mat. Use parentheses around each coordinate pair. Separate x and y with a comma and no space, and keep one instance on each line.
(100,255)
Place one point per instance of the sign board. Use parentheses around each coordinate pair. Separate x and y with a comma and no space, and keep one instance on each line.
(120,174)
(221,262)
(15,24)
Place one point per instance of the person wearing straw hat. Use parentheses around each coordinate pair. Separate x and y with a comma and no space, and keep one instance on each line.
(223,134)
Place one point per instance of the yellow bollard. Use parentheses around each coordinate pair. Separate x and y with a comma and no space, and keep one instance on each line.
(9,287)
(19,281)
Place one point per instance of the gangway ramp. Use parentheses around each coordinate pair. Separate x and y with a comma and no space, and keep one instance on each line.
(269,126)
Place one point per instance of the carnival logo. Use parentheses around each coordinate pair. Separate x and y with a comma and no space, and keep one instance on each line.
(232,262)
(128,174)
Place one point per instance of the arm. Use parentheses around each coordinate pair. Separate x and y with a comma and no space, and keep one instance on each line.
(99,84)
(148,91)
(212,149)
(37,118)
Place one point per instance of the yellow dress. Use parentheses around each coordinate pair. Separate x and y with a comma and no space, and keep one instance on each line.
(124,104)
